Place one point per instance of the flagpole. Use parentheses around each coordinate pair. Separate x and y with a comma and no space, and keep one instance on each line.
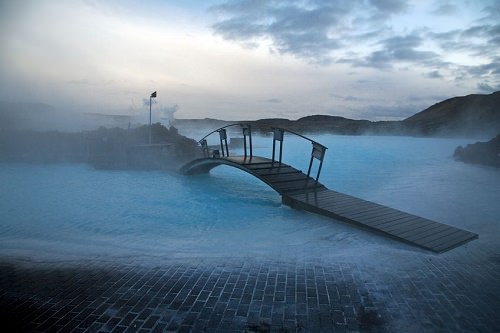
(153,95)
(150,119)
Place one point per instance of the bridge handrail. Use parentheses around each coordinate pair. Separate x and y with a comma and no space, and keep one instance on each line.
(318,150)
(264,125)
(302,136)
(223,127)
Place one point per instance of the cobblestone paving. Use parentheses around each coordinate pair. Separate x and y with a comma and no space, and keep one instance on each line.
(429,293)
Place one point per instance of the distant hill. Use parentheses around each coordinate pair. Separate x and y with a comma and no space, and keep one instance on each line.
(467,115)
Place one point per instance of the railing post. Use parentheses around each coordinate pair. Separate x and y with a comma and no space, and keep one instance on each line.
(250,140)
(247,132)
(204,147)
(318,152)
(278,135)
(223,140)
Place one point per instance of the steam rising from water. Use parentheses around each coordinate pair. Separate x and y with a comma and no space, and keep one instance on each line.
(68,210)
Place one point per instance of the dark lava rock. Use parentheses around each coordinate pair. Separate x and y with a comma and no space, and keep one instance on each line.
(484,153)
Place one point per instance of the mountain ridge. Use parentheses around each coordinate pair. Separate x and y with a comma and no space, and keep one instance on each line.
(471,115)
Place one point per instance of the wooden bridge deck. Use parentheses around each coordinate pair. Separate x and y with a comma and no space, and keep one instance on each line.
(302,192)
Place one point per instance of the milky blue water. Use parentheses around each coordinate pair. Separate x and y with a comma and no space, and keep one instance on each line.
(53,212)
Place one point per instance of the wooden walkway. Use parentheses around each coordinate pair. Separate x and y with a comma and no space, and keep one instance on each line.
(302,192)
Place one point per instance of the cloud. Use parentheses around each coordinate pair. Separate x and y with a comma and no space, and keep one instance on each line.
(445,9)
(434,75)
(398,49)
(323,32)
(363,34)
(348,98)
(308,30)
(486,88)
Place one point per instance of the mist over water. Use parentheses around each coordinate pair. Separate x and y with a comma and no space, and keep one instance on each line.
(72,211)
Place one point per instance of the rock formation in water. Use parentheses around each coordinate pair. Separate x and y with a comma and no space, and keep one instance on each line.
(485,153)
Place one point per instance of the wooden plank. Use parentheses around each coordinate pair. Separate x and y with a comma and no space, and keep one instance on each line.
(284,188)
(312,188)
(339,197)
(453,241)
(444,238)
(390,214)
(447,239)
(401,218)
(347,200)
(273,171)
(417,234)
(429,234)
(247,160)
(368,210)
(361,212)
(340,202)
(353,213)
(285,178)
(408,223)
(389,221)
(325,194)
(292,187)
(438,235)
(461,236)
(330,197)
(422,231)
(311,197)
(383,217)
(327,203)
(256,164)
(338,205)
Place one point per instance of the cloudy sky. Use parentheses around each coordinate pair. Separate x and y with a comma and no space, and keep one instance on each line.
(244,59)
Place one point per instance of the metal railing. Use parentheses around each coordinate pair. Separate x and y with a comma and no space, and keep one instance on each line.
(318,150)
(247,134)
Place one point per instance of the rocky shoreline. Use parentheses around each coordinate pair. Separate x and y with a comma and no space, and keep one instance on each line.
(483,153)
(104,148)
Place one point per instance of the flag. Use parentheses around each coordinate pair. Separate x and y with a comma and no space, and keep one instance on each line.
(153,95)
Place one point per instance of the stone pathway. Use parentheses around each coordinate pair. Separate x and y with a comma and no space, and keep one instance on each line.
(429,294)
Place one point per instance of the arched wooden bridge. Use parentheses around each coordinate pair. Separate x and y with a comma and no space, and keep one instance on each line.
(303,191)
